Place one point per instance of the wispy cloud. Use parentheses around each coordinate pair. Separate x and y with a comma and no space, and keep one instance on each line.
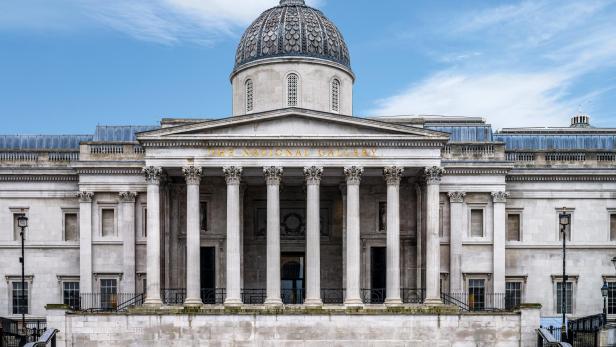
(530,57)
(161,21)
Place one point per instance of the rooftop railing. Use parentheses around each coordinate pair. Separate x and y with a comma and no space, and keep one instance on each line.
(490,151)
(588,159)
(94,151)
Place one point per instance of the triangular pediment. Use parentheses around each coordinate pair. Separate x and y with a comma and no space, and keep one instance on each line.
(291,123)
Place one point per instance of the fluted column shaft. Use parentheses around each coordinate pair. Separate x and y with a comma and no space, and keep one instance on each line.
(353,245)
(85,241)
(393,175)
(498,277)
(273,176)
(455,241)
(313,237)
(433,243)
(126,218)
(193,237)
(153,298)
(233,177)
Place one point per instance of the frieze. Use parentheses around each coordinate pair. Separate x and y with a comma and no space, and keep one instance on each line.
(291,152)
(39,178)
(311,144)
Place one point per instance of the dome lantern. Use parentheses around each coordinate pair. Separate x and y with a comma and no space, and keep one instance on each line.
(292,2)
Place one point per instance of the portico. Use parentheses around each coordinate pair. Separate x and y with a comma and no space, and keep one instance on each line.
(336,152)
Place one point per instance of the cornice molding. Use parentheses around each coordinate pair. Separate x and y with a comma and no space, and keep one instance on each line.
(412,143)
(110,171)
(39,178)
(475,171)
(561,178)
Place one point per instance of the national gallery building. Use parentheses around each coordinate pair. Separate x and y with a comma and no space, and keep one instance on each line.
(292,202)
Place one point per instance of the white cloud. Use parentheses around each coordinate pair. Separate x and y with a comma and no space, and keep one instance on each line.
(161,21)
(534,55)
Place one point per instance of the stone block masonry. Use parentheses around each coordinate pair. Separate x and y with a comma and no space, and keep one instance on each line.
(297,327)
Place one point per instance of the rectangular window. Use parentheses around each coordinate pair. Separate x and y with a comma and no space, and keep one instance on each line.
(476,223)
(20,298)
(513,295)
(108,222)
(611,298)
(568,297)
(613,227)
(71,227)
(513,227)
(109,294)
(16,228)
(477,294)
(70,294)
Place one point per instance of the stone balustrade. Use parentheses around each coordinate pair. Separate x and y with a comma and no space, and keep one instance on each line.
(565,159)
(93,151)
(489,151)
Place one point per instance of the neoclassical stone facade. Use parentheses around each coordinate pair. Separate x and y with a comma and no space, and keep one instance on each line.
(293,201)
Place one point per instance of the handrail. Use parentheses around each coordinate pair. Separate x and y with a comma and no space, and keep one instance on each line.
(547,340)
(48,337)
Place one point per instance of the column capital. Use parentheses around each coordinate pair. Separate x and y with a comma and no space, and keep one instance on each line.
(434,174)
(393,174)
(192,174)
(313,174)
(353,174)
(127,197)
(85,196)
(500,197)
(233,174)
(456,197)
(152,174)
(273,174)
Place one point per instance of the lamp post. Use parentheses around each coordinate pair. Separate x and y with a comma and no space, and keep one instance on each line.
(564,221)
(604,292)
(22,223)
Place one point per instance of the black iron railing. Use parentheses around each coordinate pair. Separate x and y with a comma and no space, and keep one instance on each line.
(177,296)
(108,302)
(413,295)
(12,333)
(585,331)
(474,302)
(292,296)
(332,296)
(373,296)
(254,296)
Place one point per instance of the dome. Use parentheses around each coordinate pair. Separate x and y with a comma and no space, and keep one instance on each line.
(292,29)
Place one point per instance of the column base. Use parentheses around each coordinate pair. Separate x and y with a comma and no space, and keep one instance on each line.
(313,303)
(433,302)
(153,303)
(353,303)
(395,302)
(273,302)
(230,302)
(191,302)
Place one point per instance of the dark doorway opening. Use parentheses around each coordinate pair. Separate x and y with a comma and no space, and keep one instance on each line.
(292,273)
(378,274)
(208,275)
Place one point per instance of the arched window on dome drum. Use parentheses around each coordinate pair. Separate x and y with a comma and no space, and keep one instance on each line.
(335,95)
(249,96)
(292,86)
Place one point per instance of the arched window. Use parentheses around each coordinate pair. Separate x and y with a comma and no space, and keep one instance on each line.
(292,86)
(249,96)
(335,95)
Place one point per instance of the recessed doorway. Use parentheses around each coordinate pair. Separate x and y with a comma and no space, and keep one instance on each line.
(292,273)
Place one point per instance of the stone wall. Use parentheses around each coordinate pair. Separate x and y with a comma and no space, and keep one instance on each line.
(325,329)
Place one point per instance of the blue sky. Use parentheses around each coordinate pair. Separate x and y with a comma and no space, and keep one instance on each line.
(68,65)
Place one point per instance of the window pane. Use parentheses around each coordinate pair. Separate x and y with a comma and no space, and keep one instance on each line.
(477,223)
(20,298)
(613,227)
(71,294)
(513,227)
(145,222)
(108,222)
(611,298)
(16,228)
(109,291)
(513,295)
(568,297)
(292,83)
(335,95)
(249,96)
(476,294)
(71,227)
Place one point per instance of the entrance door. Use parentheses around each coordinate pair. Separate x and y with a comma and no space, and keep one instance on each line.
(208,275)
(378,274)
(292,278)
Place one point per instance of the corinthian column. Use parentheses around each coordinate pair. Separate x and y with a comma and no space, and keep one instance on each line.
(152,177)
(455,241)
(85,242)
(353,244)
(393,174)
(233,176)
(126,219)
(498,278)
(193,237)
(313,237)
(273,176)
(433,242)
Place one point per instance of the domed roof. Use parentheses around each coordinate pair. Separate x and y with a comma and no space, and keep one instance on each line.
(292,29)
